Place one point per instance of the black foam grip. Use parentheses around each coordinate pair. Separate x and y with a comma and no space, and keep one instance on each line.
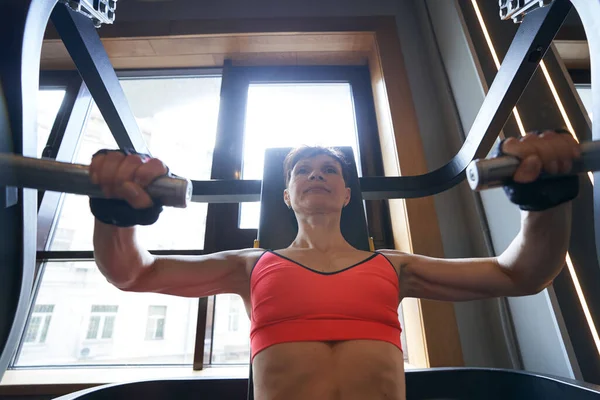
(119,212)
(541,194)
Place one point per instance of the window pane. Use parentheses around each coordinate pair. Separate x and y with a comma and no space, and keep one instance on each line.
(158,311)
(32,329)
(78,336)
(160,329)
(231,336)
(45,328)
(49,102)
(178,119)
(105,309)
(290,115)
(107,330)
(93,328)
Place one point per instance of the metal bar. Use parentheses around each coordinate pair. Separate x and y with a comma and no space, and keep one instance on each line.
(62,145)
(74,178)
(494,172)
(176,192)
(88,255)
(22,25)
(169,73)
(201,323)
(83,43)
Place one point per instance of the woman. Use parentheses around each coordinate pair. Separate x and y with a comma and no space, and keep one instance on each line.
(324,319)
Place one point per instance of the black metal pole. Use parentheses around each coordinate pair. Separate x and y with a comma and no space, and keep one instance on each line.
(83,43)
(22,25)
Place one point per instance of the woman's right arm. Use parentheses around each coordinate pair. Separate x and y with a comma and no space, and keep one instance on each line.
(126,265)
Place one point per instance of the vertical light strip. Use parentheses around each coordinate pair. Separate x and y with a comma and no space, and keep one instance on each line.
(519,122)
(561,108)
(572,272)
(586,310)
(488,40)
(559,103)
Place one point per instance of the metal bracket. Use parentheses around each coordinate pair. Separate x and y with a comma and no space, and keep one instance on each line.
(517,9)
(99,11)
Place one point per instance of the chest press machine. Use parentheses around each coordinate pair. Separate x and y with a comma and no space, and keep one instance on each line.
(22,23)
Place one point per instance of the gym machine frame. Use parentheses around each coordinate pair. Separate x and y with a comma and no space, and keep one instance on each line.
(22,25)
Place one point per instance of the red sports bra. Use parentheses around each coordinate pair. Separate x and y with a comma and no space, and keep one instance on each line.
(293,303)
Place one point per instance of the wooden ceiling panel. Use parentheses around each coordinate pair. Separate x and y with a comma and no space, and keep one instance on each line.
(303,42)
(195,45)
(176,61)
(332,58)
(211,50)
(270,58)
(128,48)
(54,49)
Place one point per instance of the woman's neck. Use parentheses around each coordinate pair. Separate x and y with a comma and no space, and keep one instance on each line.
(321,232)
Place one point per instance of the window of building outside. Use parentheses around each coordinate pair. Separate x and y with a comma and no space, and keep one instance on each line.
(40,322)
(102,322)
(155,328)
(91,322)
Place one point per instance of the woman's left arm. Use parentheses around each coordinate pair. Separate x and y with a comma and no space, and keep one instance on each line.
(533,259)
(531,262)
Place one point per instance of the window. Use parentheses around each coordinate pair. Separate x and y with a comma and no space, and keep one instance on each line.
(49,102)
(102,322)
(155,328)
(94,323)
(177,116)
(289,115)
(37,330)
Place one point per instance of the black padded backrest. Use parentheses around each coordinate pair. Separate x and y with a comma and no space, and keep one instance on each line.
(278,226)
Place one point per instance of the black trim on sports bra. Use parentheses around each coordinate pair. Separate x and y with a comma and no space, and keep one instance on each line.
(256,262)
(392,265)
(320,272)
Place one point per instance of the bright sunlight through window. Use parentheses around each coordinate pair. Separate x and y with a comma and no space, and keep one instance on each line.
(290,115)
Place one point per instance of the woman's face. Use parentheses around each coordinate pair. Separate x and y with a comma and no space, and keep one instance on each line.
(317,186)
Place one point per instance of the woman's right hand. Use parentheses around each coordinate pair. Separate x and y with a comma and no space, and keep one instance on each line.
(126,176)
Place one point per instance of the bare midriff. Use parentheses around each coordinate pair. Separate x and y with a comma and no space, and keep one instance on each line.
(343,370)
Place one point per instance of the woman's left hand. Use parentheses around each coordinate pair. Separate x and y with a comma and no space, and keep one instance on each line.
(550,151)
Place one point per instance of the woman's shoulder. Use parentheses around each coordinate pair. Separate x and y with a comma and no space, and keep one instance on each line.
(396,257)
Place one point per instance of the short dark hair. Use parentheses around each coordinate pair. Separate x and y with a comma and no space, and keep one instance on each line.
(301,153)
